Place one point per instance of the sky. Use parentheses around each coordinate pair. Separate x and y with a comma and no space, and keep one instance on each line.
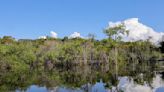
(29,19)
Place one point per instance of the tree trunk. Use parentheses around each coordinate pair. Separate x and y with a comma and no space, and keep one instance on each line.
(116,62)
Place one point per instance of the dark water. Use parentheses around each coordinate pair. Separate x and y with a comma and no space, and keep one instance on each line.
(84,78)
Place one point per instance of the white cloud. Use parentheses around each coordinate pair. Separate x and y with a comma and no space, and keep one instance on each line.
(53,34)
(42,37)
(75,35)
(138,31)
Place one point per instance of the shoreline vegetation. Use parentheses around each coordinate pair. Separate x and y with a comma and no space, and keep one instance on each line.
(24,58)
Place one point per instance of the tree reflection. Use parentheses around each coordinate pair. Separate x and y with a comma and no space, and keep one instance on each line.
(72,76)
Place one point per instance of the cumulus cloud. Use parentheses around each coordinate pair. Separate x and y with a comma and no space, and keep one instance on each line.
(53,34)
(138,31)
(75,35)
(42,37)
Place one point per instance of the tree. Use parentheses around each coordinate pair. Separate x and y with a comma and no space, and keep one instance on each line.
(115,35)
(65,38)
(91,36)
(162,45)
(7,40)
(116,32)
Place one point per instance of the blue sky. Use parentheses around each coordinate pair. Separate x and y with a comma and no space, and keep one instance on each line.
(34,18)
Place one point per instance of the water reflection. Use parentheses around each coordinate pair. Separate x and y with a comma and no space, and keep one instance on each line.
(126,84)
(160,89)
(96,78)
(35,88)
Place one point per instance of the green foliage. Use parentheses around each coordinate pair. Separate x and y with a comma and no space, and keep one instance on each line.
(116,32)
(35,53)
(23,56)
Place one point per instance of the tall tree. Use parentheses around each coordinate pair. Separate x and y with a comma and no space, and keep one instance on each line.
(115,35)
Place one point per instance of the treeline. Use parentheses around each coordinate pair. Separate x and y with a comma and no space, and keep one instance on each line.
(50,53)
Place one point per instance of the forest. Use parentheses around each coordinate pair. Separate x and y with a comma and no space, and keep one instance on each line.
(23,57)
